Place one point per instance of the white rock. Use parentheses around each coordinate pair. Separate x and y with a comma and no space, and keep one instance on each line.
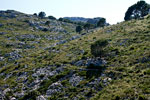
(109,79)
(40,98)
(13,98)
(6,90)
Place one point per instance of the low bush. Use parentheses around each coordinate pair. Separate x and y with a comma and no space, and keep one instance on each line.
(97,48)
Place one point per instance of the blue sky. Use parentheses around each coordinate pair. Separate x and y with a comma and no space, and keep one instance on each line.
(112,10)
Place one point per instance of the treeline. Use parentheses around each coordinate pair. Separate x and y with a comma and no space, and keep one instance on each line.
(43,15)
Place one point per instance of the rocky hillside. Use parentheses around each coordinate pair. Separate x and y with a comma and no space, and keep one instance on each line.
(53,62)
(84,20)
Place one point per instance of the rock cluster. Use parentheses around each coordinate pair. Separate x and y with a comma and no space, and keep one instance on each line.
(2,33)
(54,88)
(41,97)
(75,80)
(9,14)
(13,55)
(89,62)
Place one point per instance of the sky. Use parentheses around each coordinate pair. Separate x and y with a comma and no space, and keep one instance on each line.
(112,10)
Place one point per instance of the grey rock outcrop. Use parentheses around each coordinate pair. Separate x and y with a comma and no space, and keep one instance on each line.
(2,33)
(13,55)
(95,62)
(54,88)
(41,97)
(75,80)
(89,62)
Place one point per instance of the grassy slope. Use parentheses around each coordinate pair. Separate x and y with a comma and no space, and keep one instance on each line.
(128,58)
(130,66)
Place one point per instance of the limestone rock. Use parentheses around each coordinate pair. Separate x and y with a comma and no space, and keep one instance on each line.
(54,88)
(40,98)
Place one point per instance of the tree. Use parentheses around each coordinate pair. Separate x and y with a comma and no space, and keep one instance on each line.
(35,14)
(101,22)
(138,10)
(47,23)
(52,17)
(60,19)
(78,29)
(42,14)
(87,26)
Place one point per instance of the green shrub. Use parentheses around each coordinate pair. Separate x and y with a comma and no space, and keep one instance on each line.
(147,72)
(42,14)
(79,29)
(47,23)
(97,48)
(65,82)
(30,96)
(72,89)
(52,17)
(54,97)
(117,97)
(141,97)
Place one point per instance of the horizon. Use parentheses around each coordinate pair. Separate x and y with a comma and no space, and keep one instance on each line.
(113,11)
